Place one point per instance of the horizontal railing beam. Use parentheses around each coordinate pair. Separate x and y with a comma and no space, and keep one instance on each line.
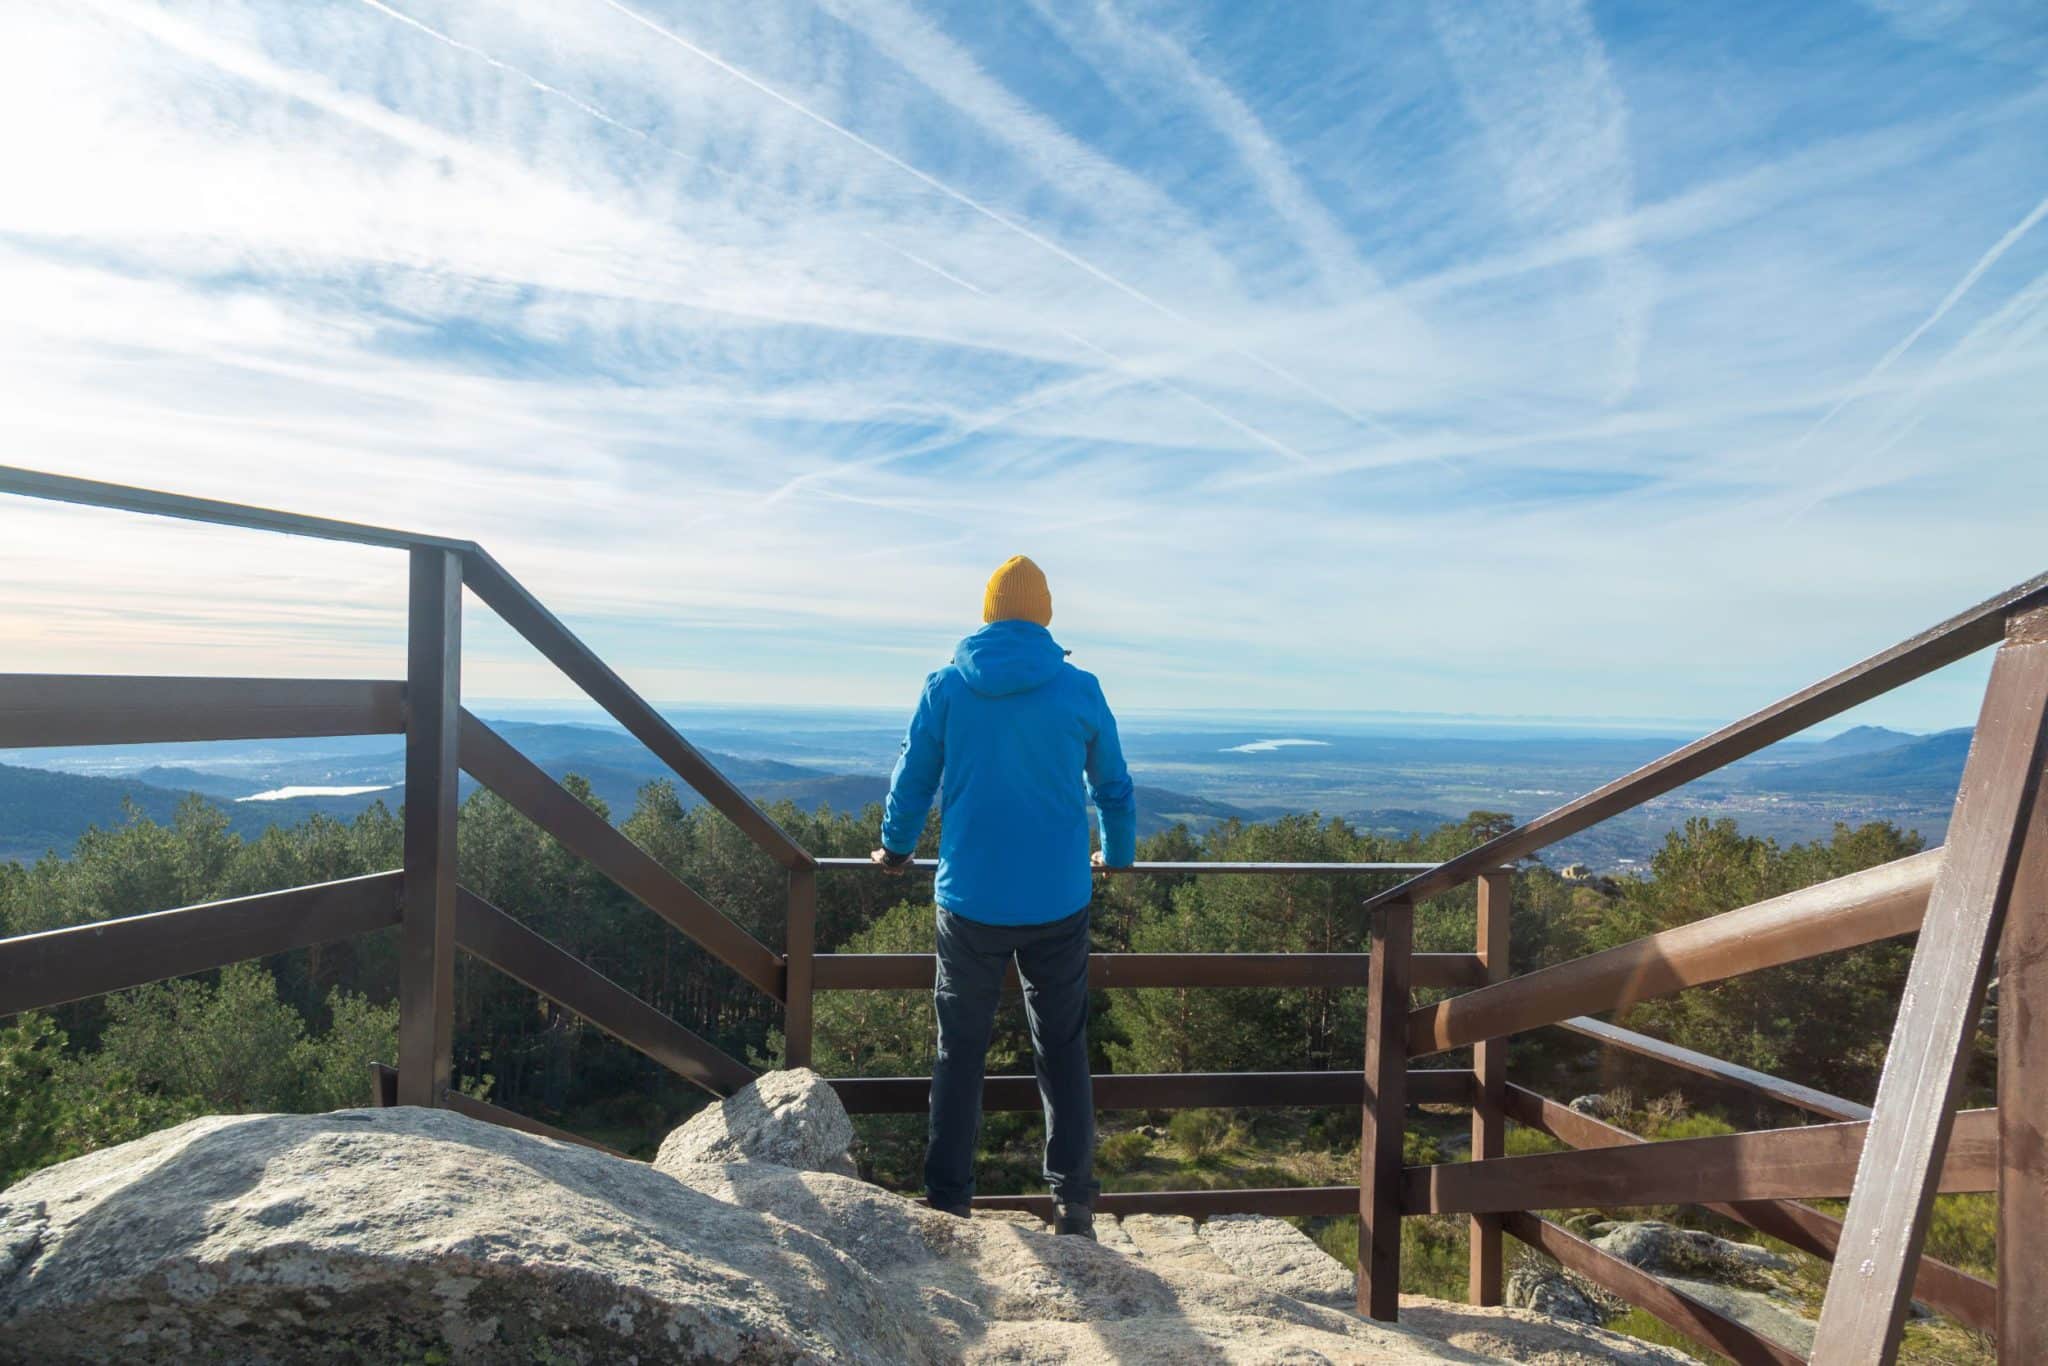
(1699,1321)
(513,949)
(544,631)
(1844,913)
(55,966)
(1961,635)
(1161,1091)
(384,1082)
(492,761)
(61,488)
(918,971)
(1281,1202)
(1967,1299)
(1817,1161)
(40,711)
(1201,869)
(1748,1079)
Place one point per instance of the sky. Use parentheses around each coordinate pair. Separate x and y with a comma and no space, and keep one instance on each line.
(1530,359)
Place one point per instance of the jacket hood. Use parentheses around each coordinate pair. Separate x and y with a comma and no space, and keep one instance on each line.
(1006,657)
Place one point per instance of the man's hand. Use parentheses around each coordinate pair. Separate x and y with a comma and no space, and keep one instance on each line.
(892,864)
(1095,862)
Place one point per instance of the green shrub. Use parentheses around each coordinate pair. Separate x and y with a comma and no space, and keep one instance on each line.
(1123,1151)
(1688,1126)
(1522,1141)
(1641,1324)
(1964,1232)
(1434,1256)
(1199,1132)
(1419,1150)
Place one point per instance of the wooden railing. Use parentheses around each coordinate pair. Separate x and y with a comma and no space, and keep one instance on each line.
(1990,882)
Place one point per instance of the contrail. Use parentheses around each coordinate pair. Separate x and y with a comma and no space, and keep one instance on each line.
(1263,438)
(1984,263)
(969,201)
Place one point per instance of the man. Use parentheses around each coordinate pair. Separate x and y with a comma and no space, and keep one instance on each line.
(1004,736)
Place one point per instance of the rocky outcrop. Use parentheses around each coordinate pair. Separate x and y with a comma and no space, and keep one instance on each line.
(1555,1293)
(1742,1281)
(381,1235)
(996,1290)
(1666,1249)
(407,1235)
(1275,1254)
(793,1119)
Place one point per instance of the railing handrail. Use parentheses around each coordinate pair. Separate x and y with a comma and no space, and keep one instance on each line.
(1174,869)
(485,577)
(65,488)
(1961,635)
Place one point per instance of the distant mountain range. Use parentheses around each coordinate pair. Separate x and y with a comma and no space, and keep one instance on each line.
(43,810)
(1385,784)
(1910,766)
(1863,740)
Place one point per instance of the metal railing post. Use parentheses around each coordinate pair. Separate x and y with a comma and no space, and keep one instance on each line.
(1490,1084)
(1385,1112)
(798,957)
(426,963)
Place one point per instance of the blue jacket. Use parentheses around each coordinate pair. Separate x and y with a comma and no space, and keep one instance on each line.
(1004,735)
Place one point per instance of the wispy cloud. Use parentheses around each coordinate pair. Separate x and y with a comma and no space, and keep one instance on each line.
(1465,358)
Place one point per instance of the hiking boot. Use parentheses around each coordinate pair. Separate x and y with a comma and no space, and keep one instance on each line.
(963,1210)
(1078,1220)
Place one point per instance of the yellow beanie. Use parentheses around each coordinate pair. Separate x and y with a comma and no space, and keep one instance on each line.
(1017,592)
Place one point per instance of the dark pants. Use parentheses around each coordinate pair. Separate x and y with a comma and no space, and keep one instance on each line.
(1052,960)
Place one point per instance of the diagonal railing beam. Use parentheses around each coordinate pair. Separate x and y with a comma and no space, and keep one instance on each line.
(525,614)
(488,933)
(1965,1298)
(1699,1321)
(1961,635)
(492,761)
(1843,913)
(1807,1098)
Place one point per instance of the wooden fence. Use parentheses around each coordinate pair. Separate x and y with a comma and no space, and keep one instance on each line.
(1986,888)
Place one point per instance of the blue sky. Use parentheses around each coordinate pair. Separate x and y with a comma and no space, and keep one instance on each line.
(1531,359)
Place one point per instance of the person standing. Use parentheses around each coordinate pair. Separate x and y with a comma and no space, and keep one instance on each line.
(1013,741)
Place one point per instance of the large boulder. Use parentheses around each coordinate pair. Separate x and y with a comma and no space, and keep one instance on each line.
(384,1235)
(793,1119)
(410,1235)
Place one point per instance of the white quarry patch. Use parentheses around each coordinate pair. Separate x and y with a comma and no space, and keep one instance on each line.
(279,794)
(1268,746)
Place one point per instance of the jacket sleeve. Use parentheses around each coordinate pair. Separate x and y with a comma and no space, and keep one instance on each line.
(915,780)
(1109,783)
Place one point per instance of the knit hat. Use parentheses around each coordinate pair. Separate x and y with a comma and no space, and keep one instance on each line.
(1017,592)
